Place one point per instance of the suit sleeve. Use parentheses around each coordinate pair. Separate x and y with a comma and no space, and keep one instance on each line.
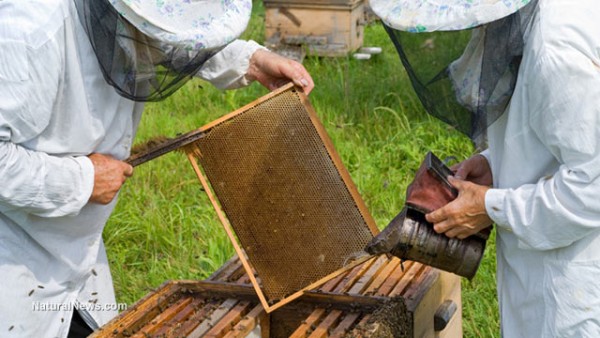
(227,69)
(33,181)
(564,101)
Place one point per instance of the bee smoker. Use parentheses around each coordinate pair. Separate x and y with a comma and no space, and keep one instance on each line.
(409,236)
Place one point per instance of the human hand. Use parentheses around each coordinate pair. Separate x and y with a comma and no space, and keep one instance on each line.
(465,215)
(109,176)
(273,71)
(475,169)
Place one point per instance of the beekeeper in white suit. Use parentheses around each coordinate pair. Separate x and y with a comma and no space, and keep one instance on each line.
(539,180)
(73,78)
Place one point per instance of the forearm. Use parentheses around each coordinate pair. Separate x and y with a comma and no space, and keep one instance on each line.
(42,184)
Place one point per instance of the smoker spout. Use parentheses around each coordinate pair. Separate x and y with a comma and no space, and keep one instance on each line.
(389,238)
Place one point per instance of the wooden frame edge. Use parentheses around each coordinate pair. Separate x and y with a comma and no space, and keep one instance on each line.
(225,222)
(337,161)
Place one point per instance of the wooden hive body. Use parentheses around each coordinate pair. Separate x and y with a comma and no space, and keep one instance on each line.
(354,304)
(325,28)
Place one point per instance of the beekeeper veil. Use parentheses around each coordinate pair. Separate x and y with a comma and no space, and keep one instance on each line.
(463,64)
(147,49)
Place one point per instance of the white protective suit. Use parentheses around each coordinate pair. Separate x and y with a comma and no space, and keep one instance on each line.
(545,158)
(56,108)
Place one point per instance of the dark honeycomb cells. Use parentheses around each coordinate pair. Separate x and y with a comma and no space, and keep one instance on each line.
(286,200)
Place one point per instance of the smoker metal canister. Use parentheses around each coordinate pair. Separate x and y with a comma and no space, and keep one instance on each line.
(409,236)
(419,242)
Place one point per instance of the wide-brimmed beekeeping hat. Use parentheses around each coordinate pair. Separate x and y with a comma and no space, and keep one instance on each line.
(148,48)
(191,24)
(435,15)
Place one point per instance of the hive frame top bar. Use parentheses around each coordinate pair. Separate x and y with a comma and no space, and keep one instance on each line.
(282,195)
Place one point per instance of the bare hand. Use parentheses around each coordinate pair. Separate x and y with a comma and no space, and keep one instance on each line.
(274,71)
(475,169)
(464,216)
(109,176)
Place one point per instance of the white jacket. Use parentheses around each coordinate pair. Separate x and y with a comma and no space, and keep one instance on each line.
(545,158)
(56,108)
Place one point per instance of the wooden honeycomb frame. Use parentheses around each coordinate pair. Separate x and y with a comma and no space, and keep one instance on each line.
(294,167)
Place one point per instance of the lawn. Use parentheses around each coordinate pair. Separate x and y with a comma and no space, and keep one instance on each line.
(164,227)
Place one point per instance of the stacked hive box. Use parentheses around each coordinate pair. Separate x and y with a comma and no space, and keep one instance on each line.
(378,298)
(325,28)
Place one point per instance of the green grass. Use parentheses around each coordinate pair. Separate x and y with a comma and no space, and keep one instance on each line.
(164,227)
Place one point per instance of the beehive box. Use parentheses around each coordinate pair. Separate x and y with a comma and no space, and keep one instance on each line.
(378,298)
(325,28)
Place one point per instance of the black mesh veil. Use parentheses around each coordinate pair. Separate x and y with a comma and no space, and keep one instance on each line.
(465,78)
(139,68)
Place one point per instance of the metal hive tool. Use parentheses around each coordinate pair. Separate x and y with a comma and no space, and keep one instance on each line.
(292,212)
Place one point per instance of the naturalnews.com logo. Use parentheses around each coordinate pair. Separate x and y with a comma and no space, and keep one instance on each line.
(90,306)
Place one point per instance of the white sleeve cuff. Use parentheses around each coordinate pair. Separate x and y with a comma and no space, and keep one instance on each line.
(495,207)
(227,69)
(87,179)
(486,154)
(67,191)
